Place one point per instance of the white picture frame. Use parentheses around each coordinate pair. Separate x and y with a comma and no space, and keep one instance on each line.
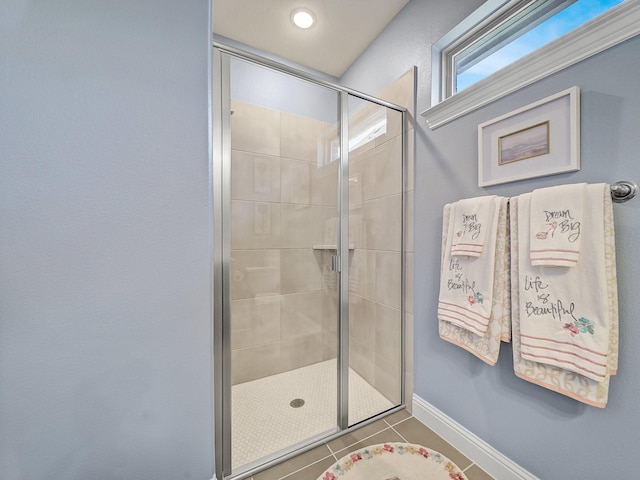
(539,139)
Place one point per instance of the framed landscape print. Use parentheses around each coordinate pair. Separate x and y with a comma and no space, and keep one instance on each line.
(540,139)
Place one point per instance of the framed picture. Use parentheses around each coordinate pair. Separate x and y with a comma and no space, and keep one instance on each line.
(540,139)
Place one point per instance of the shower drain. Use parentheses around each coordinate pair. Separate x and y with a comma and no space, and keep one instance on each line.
(297,403)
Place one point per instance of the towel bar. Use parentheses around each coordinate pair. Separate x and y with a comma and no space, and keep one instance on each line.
(623,190)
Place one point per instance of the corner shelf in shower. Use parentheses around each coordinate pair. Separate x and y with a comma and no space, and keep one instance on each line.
(329,247)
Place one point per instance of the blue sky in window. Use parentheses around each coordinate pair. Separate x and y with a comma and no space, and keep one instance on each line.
(561,23)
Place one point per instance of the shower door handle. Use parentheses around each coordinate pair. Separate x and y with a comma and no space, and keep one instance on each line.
(335,263)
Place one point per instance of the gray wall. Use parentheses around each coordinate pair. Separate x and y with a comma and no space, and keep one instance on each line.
(105,327)
(550,435)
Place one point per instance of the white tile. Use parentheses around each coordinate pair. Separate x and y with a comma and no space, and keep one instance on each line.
(388,331)
(263,422)
(388,275)
(255,225)
(299,137)
(255,273)
(255,177)
(255,129)
(382,219)
(295,181)
(300,270)
(255,321)
(304,226)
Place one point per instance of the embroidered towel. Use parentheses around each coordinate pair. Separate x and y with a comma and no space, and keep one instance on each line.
(470,223)
(556,223)
(487,346)
(466,283)
(564,313)
(554,378)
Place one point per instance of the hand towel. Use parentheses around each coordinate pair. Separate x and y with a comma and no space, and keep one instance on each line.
(561,380)
(466,283)
(472,219)
(487,346)
(557,216)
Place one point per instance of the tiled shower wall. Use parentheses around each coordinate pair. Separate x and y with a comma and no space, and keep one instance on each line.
(284,296)
(375,197)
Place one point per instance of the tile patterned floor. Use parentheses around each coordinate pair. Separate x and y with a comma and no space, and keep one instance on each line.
(398,427)
(263,421)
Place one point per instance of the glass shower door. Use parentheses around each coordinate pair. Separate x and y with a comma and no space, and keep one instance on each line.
(284,237)
(375,267)
(308,274)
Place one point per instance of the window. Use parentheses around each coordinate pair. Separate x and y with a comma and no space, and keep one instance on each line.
(508,44)
(511,36)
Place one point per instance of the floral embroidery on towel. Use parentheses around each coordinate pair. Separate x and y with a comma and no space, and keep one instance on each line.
(581,325)
(477,297)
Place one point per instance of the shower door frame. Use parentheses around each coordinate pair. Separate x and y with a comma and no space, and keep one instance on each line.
(220,182)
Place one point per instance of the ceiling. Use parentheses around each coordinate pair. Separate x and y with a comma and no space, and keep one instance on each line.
(343,30)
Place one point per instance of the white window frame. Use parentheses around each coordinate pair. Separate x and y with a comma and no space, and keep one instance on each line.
(612,27)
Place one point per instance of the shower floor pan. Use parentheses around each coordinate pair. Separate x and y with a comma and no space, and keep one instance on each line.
(264,420)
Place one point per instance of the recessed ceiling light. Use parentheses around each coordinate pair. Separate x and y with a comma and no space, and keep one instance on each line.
(303,18)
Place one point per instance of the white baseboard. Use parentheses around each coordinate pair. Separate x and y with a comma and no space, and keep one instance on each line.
(481,453)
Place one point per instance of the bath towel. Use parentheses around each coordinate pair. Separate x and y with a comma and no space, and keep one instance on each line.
(486,346)
(556,221)
(538,370)
(563,312)
(472,219)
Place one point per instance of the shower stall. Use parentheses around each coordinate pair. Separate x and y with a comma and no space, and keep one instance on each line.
(308,195)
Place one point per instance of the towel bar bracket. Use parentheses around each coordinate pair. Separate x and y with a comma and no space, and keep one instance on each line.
(623,191)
